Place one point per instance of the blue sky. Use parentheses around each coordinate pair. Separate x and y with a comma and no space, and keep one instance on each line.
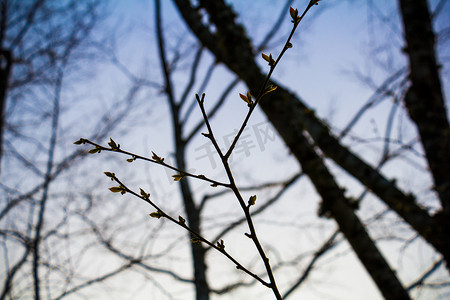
(337,45)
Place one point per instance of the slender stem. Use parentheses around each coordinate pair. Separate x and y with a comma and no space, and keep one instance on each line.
(210,133)
(287,45)
(222,250)
(137,156)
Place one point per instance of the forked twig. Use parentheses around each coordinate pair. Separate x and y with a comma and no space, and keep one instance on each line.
(224,156)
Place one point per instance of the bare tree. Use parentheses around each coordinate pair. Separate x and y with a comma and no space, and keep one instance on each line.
(42,45)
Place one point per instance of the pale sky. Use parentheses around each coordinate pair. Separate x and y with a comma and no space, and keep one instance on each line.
(334,42)
(338,39)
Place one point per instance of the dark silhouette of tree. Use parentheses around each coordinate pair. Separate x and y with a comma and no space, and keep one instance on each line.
(41,44)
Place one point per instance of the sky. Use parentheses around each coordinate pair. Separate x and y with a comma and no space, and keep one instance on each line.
(337,45)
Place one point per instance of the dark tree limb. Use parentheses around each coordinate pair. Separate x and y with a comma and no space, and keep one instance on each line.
(333,197)
(425,100)
(262,207)
(426,105)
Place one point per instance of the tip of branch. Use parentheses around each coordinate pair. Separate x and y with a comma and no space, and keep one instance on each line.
(200,100)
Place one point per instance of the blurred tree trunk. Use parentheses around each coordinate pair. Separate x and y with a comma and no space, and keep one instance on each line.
(5,67)
(426,104)
(290,116)
(193,213)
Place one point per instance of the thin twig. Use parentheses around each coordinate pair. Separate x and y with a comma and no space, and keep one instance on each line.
(135,156)
(273,65)
(180,222)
